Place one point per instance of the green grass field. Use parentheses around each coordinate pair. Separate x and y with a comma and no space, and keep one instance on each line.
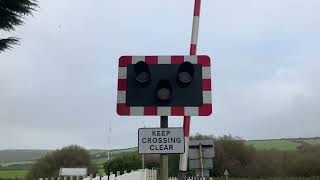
(15,163)
(274,144)
(13,173)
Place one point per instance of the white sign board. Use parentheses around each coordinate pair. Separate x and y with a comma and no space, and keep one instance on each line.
(73,172)
(161,141)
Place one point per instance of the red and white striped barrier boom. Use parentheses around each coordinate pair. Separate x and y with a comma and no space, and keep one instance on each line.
(183,165)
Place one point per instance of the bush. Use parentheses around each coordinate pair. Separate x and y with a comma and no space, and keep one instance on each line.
(305,162)
(233,154)
(69,157)
(126,161)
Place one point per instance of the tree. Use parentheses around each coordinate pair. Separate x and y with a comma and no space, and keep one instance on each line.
(199,136)
(232,154)
(126,161)
(12,13)
(69,157)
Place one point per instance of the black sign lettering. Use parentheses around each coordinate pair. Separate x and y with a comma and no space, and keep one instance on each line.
(168,132)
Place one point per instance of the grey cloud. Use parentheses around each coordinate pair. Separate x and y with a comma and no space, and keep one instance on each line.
(59,86)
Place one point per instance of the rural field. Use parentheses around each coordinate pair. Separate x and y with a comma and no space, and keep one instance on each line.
(283,144)
(274,144)
(15,163)
(13,173)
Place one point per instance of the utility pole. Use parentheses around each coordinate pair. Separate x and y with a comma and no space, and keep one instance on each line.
(109,140)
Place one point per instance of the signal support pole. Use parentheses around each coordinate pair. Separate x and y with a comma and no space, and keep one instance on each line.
(164,157)
(183,165)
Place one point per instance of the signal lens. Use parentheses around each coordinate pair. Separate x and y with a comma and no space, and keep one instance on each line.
(142,71)
(185,74)
(185,77)
(164,90)
(143,77)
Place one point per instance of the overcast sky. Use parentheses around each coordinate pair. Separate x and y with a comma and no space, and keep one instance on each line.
(59,86)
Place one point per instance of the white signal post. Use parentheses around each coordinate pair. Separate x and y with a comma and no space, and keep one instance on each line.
(183,165)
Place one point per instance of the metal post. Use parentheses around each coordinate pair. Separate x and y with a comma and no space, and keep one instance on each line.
(143,161)
(164,157)
(109,140)
(201,159)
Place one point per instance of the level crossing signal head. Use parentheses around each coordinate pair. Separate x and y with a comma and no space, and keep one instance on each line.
(164,86)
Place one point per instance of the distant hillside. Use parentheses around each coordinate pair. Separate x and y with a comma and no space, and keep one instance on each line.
(283,144)
(26,157)
(23,159)
(21,155)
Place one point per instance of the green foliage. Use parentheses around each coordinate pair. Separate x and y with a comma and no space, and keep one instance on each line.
(70,157)
(174,160)
(8,43)
(201,137)
(152,161)
(305,162)
(11,15)
(231,153)
(126,161)
(132,160)
(243,160)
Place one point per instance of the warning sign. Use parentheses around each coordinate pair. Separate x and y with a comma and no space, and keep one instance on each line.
(161,141)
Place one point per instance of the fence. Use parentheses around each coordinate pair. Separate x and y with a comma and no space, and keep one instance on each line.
(190,178)
(143,174)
